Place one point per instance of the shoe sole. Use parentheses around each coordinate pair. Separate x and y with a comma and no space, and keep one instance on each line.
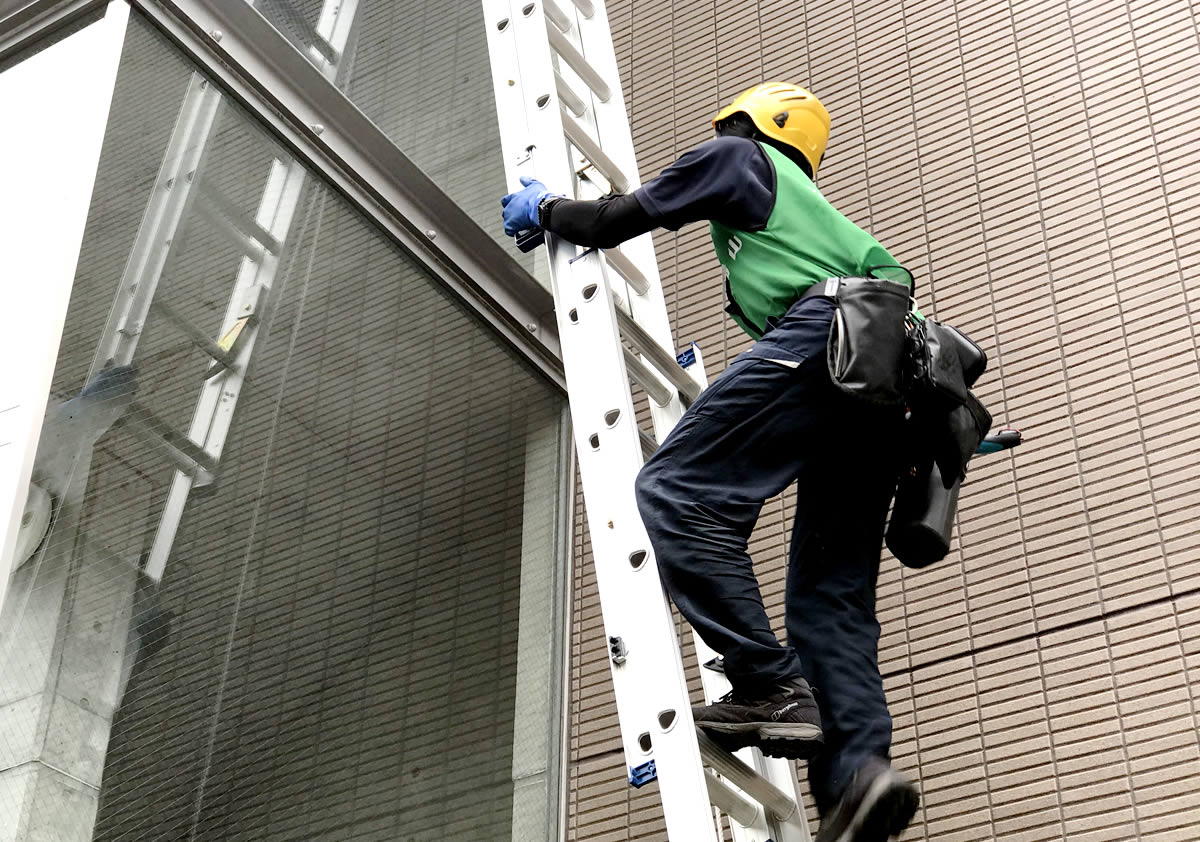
(885,811)
(796,741)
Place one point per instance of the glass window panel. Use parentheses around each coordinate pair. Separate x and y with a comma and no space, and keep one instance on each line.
(421,72)
(314,629)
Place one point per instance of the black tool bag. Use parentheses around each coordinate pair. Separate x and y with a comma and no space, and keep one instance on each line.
(941,365)
(922,520)
(945,425)
(879,351)
(867,340)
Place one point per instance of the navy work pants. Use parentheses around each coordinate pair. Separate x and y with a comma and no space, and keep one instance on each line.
(772,417)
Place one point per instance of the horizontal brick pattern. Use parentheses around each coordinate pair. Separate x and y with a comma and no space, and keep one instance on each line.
(1031,162)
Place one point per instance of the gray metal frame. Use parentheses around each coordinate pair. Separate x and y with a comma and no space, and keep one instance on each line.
(24,23)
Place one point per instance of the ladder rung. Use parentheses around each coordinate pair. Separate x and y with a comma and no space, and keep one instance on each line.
(236,224)
(642,374)
(585,6)
(567,96)
(310,37)
(773,799)
(649,445)
(575,60)
(731,802)
(556,15)
(591,150)
(202,339)
(183,453)
(627,270)
(665,362)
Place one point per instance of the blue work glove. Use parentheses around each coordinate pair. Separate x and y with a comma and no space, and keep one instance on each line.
(521,208)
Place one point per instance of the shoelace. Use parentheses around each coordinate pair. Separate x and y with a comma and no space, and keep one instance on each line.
(730,698)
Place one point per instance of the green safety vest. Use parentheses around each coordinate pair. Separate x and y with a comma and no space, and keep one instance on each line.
(806,241)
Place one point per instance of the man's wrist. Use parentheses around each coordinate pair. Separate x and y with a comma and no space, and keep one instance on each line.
(545,203)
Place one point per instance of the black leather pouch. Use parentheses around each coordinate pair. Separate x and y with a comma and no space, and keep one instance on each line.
(956,436)
(942,365)
(867,340)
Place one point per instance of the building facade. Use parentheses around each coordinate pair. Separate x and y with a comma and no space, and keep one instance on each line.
(289,506)
(1032,162)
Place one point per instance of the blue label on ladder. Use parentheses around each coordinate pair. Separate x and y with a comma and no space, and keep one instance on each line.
(687,357)
(639,776)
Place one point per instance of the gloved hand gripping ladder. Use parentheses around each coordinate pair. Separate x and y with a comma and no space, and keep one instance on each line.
(560,109)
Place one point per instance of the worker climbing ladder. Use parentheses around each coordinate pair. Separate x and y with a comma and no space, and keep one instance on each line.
(562,118)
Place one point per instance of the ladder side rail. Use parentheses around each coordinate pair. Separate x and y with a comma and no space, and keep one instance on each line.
(652,695)
(171,196)
(592,163)
(532,144)
(652,699)
(611,125)
(651,353)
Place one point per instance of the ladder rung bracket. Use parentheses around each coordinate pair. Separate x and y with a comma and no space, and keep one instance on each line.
(644,377)
(575,60)
(202,340)
(774,800)
(567,96)
(659,357)
(627,270)
(556,15)
(730,802)
(591,150)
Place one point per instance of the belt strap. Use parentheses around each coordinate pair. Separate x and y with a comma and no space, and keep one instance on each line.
(822,289)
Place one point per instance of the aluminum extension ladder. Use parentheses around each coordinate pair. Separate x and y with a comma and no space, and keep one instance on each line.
(179,189)
(562,118)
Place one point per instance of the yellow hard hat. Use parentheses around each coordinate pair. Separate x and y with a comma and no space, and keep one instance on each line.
(787,113)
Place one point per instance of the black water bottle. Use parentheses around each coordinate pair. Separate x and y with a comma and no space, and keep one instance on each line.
(922,516)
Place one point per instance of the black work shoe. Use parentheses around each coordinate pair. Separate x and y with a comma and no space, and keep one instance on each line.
(878,804)
(784,723)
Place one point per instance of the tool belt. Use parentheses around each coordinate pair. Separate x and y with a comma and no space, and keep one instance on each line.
(879,351)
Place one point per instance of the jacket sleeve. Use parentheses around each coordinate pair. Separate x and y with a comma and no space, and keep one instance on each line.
(729,180)
(605,222)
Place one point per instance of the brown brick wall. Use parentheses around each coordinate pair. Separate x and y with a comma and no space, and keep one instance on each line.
(1031,162)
